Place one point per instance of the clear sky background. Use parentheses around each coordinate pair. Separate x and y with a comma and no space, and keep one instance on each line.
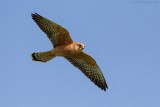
(123,36)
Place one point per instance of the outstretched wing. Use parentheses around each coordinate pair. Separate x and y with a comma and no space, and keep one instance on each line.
(89,67)
(57,34)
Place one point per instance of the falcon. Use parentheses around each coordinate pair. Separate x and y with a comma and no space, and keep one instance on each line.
(64,46)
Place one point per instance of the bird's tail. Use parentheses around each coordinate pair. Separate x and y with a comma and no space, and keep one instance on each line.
(42,56)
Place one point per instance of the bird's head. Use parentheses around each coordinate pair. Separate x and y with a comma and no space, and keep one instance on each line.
(79,46)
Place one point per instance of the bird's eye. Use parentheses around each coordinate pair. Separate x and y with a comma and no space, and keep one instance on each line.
(80,45)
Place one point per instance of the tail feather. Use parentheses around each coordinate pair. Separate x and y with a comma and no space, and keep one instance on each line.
(42,56)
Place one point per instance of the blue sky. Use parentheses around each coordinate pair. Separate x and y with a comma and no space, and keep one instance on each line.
(122,36)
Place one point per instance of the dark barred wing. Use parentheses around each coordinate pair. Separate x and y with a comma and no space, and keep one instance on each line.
(89,67)
(57,34)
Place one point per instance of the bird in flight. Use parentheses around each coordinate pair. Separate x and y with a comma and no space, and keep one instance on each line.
(64,46)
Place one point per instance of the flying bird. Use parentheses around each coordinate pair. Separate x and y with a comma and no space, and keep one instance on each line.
(64,46)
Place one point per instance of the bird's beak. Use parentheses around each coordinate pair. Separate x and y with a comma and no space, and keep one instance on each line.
(82,48)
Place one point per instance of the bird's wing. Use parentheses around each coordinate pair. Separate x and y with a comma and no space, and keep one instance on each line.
(88,66)
(57,34)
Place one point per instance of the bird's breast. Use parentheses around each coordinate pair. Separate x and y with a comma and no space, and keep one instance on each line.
(65,50)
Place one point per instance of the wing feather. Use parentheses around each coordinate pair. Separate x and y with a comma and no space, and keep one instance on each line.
(89,67)
(57,34)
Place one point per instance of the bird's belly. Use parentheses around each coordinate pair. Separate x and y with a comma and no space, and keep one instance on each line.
(63,51)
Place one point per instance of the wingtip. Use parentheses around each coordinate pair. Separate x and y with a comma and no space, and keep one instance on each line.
(34,14)
(33,57)
(105,88)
